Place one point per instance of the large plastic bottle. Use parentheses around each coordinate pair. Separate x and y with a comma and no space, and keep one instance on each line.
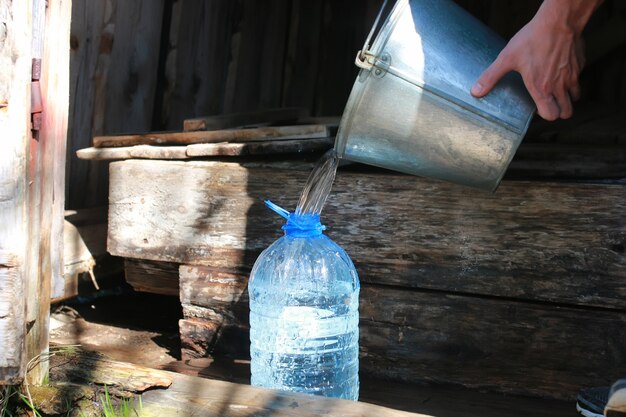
(304,321)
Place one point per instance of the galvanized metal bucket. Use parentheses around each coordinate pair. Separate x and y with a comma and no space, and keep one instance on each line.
(411,110)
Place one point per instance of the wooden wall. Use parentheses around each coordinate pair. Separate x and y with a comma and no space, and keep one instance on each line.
(142,65)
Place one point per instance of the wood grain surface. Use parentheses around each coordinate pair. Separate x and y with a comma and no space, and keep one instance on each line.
(552,242)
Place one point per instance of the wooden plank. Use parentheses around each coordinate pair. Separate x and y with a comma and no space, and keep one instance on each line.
(91,41)
(114,52)
(215,136)
(53,135)
(165,393)
(132,76)
(527,241)
(197,61)
(532,160)
(77,259)
(568,161)
(153,277)
(229,121)
(76,366)
(197,396)
(428,399)
(302,60)
(104,154)
(12,321)
(15,69)
(298,146)
(85,255)
(260,43)
(436,336)
(271,147)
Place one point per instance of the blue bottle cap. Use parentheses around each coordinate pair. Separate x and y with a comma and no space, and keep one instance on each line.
(299,225)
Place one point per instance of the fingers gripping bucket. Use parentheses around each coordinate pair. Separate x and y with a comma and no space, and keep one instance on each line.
(411,110)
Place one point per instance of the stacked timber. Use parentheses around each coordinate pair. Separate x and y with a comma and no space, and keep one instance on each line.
(512,291)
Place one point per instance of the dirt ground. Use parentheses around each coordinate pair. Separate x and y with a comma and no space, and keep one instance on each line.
(122,324)
(143,329)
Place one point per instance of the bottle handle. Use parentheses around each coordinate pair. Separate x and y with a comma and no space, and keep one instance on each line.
(278,209)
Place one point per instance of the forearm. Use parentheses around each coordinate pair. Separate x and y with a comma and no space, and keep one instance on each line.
(569,15)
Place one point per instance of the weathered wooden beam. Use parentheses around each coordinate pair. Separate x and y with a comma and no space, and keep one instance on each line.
(84,249)
(55,88)
(152,276)
(554,242)
(298,146)
(198,396)
(215,136)
(165,393)
(229,121)
(436,400)
(504,345)
(15,95)
(272,147)
(568,161)
(12,321)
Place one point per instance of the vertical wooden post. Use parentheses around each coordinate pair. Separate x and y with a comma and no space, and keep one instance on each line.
(15,78)
(47,177)
(32,177)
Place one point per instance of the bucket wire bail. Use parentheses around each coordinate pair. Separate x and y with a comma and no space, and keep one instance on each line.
(364,58)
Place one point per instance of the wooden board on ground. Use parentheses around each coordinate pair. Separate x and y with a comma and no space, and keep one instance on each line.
(436,400)
(196,396)
(167,394)
(549,242)
(215,136)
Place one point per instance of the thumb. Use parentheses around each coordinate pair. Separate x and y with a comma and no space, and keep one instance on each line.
(490,78)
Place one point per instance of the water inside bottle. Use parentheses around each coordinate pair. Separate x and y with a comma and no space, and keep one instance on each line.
(318,185)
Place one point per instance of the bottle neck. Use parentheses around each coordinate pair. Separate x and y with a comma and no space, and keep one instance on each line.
(303,225)
(299,225)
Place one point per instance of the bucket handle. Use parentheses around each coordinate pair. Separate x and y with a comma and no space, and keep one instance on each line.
(363,56)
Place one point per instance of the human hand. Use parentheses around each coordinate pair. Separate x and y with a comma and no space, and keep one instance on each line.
(549,54)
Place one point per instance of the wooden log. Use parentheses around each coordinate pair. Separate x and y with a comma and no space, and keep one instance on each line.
(152,277)
(518,347)
(232,120)
(553,242)
(15,96)
(215,136)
